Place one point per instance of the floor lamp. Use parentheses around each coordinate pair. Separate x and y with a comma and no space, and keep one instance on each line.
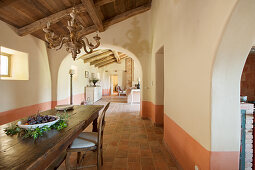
(71,72)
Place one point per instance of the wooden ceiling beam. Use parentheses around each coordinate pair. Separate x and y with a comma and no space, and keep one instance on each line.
(122,55)
(109,62)
(94,53)
(54,18)
(122,17)
(83,23)
(103,2)
(92,10)
(97,57)
(102,60)
(5,3)
(116,55)
(127,14)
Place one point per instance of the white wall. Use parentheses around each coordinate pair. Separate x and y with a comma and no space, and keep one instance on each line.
(20,93)
(159,77)
(79,80)
(190,32)
(137,73)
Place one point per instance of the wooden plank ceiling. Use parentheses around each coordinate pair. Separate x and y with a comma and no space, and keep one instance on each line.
(30,16)
(102,58)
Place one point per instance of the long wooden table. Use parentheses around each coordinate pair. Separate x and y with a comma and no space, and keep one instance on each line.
(19,153)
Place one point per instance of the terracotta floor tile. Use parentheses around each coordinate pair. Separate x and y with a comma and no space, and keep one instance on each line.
(148,168)
(130,143)
(134,166)
(146,162)
(107,166)
(133,149)
(172,168)
(133,158)
(161,165)
(109,157)
(146,153)
(155,149)
(144,146)
(120,163)
(121,154)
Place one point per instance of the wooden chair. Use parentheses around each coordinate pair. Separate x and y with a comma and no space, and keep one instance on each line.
(88,141)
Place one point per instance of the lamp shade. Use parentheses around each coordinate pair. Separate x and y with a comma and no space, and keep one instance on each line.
(71,71)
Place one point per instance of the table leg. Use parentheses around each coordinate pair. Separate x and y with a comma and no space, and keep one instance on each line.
(95,125)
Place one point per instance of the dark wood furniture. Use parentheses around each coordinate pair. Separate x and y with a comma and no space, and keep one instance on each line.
(88,141)
(19,153)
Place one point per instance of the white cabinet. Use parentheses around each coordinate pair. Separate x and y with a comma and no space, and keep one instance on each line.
(93,93)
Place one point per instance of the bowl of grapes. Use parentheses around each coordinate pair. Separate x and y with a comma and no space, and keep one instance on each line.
(38,120)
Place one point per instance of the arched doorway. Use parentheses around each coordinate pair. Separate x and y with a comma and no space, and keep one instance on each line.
(232,52)
(247,98)
(63,84)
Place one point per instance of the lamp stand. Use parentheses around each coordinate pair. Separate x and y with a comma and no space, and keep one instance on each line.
(71,89)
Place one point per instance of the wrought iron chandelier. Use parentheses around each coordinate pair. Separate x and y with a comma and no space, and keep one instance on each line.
(74,41)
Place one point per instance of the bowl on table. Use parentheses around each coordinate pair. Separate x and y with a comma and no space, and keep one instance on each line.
(34,126)
(64,107)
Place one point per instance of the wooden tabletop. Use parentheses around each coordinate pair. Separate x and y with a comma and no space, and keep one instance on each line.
(19,153)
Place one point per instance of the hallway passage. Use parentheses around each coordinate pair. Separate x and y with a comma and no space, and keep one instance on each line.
(129,142)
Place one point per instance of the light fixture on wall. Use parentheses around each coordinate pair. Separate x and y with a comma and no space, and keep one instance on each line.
(74,40)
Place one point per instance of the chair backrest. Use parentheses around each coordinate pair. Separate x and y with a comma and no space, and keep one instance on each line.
(102,125)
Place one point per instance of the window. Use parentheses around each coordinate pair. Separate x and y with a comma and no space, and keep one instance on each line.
(5,65)
(13,64)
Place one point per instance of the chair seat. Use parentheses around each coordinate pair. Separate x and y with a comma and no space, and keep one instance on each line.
(84,140)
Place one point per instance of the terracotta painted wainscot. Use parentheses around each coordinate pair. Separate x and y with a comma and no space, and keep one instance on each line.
(106,92)
(154,112)
(186,150)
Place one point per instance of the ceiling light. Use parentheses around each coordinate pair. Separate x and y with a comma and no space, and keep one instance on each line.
(73,42)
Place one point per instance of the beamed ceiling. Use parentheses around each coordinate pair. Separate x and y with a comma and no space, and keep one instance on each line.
(101,58)
(30,16)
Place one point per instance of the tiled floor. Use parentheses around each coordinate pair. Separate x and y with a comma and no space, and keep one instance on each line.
(130,142)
